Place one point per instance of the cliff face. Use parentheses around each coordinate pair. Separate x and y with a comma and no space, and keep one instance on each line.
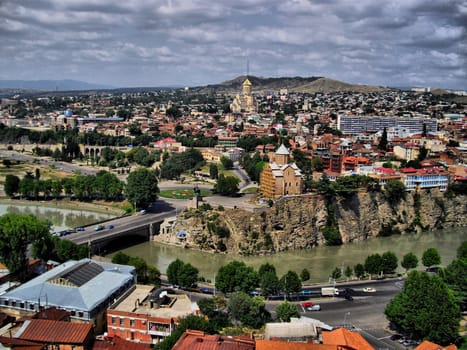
(299,222)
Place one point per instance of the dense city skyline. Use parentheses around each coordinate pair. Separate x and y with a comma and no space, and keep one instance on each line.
(146,43)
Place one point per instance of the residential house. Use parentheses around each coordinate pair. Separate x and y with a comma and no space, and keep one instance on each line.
(191,339)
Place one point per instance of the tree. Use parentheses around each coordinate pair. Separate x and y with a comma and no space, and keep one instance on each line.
(383,142)
(305,275)
(154,275)
(269,283)
(431,257)
(218,318)
(317,164)
(227,185)
(11,185)
(174,270)
(188,276)
(348,272)
(291,283)
(247,311)
(389,262)
(141,188)
(236,276)
(16,233)
(285,311)
(336,273)
(462,250)
(227,163)
(213,171)
(141,268)
(120,258)
(373,264)
(409,261)
(425,309)
(359,270)
(394,190)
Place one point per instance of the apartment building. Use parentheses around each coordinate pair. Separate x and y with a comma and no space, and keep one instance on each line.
(352,124)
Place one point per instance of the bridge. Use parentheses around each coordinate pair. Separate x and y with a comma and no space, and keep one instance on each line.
(135,225)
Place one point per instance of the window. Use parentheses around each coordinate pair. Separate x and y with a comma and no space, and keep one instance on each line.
(114,320)
(132,323)
(122,321)
(80,314)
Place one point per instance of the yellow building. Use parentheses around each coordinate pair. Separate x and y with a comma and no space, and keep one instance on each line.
(244,102)
(280,177)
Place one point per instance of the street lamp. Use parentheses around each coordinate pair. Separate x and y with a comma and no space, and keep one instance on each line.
(345,318)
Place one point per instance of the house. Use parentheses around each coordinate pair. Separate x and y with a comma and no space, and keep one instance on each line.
(60,334)
(428,345)
(280,177)
(117,343)
(345,339)
(199,340)
(148,315)
(85,288)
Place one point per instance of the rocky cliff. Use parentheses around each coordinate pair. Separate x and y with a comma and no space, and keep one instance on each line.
(302,222)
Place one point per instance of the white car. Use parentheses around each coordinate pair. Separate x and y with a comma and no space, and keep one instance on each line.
(315,307)
(369,290)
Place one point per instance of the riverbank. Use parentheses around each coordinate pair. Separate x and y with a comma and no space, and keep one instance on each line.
(99,207)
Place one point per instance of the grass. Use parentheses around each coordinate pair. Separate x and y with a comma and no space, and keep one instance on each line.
(251,190)
(182,193)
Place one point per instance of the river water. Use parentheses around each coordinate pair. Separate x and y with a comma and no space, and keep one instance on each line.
(319,261)
(61,219)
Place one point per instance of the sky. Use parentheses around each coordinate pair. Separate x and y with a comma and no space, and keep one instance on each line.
(135,43)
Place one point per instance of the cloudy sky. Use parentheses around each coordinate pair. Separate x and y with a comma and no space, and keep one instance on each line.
(197,42)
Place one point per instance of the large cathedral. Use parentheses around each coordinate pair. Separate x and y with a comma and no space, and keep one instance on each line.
(244,102)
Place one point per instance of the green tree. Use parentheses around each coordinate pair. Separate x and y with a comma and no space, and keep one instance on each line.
(247,311)
(336,273)
(16,233)
(174,270)
(394,191)
(213,171)
(359,270)
(425,309)
(236,276)
(227,185)
(218,318)
(285,311)
(120,258)
(11,185)
(431,257)
(226,162)
(154,275)
(305,275)
(383,142)
(188,276)
(455,275)
(291,283)
(317,164)
(462,250)
(348,272)
(141,188)
(409,261)
(141,268)
(374,264)
(389,262)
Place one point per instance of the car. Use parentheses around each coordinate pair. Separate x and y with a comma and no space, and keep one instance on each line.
(206,291)
(306,304)
(315,307)
(255,293)
(98,228)
(143,212)
(305,292)
(80,229)
(348,297)
(369,290)
(395,337)
(109,227)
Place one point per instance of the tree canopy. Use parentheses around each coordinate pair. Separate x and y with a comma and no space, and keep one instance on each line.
(141,188)
(431,257)
(182,274)
(425,309)
(285,311)
(409,261)
(236,276)
(16,232)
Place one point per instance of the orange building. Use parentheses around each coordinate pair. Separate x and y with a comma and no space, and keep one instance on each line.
(279,177)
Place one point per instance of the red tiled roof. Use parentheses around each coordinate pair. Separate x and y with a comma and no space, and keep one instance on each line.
(15,343)
(427,345)
(344,337)
(117,343)
(196,340)
(57,331)
(282,345)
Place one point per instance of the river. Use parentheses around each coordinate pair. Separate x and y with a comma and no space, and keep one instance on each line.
(61,219)
(319,261)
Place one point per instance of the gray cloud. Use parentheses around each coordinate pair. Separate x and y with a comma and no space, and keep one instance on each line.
(197,42)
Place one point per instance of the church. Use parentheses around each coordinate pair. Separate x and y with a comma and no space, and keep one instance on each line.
(280,177)
(244,102)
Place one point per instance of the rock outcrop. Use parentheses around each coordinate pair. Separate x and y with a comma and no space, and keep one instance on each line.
(300,222)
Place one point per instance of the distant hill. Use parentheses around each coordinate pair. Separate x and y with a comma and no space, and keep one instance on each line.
(51,85)
(292,84)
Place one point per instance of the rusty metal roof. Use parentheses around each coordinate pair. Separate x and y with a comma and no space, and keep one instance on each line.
(49,331)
